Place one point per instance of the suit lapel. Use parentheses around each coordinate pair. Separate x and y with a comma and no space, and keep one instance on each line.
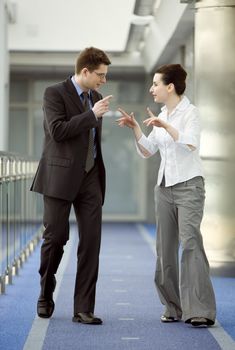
(73,94)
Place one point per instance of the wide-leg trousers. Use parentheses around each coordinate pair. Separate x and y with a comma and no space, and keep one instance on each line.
(88,210)
(185,290)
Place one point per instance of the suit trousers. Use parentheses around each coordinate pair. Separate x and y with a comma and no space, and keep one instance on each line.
(186,293)
(88,210)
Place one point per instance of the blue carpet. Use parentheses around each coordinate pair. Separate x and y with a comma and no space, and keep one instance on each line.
(225,298)
(126,257)
(151,229)
(17,306)
(125,290)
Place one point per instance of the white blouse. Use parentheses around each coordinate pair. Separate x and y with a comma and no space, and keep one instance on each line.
(179,162)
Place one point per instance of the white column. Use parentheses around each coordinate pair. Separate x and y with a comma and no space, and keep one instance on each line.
(215,98)
(4,77)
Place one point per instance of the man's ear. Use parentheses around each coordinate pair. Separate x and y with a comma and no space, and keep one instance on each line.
(84,71)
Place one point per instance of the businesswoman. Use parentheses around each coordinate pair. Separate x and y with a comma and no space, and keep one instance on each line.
(179,199)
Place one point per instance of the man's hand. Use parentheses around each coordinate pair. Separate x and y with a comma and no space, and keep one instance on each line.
(102,106)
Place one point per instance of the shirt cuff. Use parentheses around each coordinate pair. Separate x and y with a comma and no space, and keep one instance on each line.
(94,115)
(143,141)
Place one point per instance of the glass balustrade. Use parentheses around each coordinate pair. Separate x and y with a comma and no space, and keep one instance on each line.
(20,229)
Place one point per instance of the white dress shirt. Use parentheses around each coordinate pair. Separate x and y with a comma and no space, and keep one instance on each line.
(179,162)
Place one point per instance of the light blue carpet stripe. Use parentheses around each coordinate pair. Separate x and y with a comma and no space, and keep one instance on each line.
(39,327)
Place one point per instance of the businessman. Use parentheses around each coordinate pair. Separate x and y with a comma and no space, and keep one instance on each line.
(71,172)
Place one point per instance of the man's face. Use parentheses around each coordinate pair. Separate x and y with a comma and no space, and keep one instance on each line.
(95,79)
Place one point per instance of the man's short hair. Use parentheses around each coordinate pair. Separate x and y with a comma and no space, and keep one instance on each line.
(91,58)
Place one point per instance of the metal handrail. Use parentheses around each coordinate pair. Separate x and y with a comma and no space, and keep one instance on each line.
(20,231)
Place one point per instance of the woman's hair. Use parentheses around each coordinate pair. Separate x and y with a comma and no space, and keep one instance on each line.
(91,58)
(175,74)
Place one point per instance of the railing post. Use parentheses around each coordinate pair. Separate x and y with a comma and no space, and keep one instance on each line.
(2,285)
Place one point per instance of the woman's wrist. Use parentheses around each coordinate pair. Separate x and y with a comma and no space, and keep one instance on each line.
(166,126)
(138,132)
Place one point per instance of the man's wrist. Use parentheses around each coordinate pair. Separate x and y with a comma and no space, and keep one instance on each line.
(96,116)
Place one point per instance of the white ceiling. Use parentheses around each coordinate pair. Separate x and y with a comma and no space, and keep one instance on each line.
(70,25)
(49,33)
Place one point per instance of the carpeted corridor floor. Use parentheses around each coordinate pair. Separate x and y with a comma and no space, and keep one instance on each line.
(126,301)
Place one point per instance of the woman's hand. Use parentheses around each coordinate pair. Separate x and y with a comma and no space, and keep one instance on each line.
(127,119)
(154,121)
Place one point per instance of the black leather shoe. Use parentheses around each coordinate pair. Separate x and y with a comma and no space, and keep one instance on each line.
(199,322)
(167,319)
(45,307)
(86,318)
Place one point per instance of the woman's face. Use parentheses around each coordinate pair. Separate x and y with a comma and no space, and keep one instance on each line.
(159,90)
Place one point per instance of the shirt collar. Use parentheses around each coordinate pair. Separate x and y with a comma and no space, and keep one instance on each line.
(77,87)
(181,106)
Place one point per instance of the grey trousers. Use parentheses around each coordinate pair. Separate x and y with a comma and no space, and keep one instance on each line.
(186,293)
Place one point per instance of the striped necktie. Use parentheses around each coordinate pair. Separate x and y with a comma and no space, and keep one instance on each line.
(90,152)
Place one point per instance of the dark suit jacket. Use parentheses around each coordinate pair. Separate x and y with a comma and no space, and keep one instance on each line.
(66,126)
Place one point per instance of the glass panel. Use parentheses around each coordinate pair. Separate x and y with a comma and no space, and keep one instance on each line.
(131,92)
(111,88)
(18,215)
(18,131)
(19,91)
(124,170)
(11,224)
(4,228)
(39,88)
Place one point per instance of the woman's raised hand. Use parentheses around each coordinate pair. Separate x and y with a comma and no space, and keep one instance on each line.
(126,119)
(153,120)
